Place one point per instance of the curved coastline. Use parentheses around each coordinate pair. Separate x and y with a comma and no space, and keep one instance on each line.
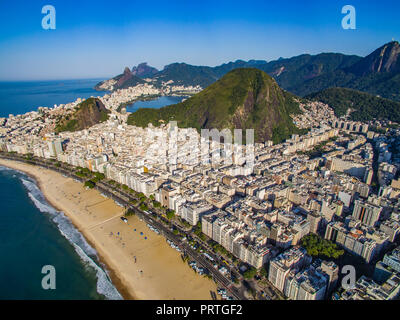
(166,277)
(122,290)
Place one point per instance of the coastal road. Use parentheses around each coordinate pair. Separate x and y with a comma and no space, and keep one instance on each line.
(168,234)
(192,253)
(124,199)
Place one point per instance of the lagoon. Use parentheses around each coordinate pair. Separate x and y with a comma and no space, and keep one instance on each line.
(155,103)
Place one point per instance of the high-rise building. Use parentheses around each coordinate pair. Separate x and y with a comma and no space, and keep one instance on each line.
(393,259)
(367,213)
(294,258)
(207,224)
(352,240)
(55,147)
(193,211)
(368,176)
(331,269)
(391,228)
(367,289)
(309,284)
(314,218)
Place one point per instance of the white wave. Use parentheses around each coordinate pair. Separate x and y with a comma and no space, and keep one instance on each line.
(67,229)
(104,284)
(7,169)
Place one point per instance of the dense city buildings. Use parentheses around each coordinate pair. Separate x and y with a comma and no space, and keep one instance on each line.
(255,200)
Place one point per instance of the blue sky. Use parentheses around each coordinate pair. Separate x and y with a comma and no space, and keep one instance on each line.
(99,38)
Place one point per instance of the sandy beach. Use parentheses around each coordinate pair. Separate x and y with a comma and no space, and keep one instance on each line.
(158,273)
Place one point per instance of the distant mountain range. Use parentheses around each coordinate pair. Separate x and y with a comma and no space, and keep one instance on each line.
(377,73)
(122,81)
(244,98)
(143,70)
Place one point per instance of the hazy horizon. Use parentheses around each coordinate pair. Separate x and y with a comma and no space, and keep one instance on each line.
(91,41)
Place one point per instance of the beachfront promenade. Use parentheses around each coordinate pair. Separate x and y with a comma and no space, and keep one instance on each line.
(124,199)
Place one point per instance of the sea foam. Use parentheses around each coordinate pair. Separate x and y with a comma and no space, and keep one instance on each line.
(81,246)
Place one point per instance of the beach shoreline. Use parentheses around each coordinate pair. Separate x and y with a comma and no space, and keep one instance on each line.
(117,282)
(161,273)
(122,289)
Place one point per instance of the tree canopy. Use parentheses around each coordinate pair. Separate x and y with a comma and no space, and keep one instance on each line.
(322,248)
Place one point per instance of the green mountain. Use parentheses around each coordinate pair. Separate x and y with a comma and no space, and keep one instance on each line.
(289,73)
(88,113)
(378,74)
(226,67)
(292,73)
(384,59)
(363,106)
(187,75)
(245,98)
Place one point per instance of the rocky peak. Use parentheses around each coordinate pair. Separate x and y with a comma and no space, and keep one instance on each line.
(384,59)
(143,70)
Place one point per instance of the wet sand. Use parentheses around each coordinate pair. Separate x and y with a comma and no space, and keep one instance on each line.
(158,273)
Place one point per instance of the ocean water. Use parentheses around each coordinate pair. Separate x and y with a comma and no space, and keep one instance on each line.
(21,97)
(34,234)
(155,103)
